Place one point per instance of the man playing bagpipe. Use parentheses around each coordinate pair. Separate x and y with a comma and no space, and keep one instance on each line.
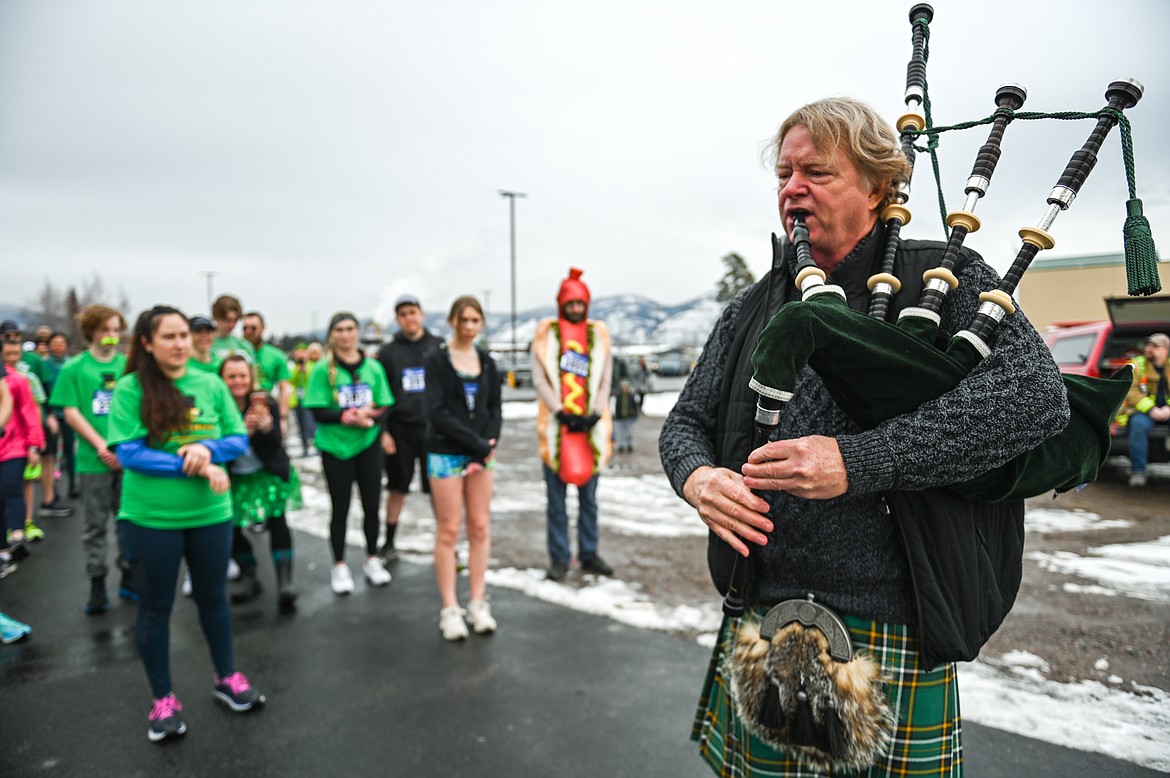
(830,517)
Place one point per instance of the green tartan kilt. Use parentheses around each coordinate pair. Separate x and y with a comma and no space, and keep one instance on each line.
(927,739)
(258,497)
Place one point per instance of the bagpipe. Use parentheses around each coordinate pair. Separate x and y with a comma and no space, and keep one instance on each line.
(875,370)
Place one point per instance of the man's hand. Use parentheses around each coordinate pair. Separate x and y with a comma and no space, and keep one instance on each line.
(809,467)
(109,458)
(567,419)
(1160,413)
(728,507)
(196,457)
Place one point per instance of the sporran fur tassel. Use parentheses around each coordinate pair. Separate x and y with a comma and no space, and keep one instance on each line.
(832,714)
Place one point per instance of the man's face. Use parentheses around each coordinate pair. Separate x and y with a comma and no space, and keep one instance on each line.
(253,330)
(840,208)
(1157,354)
(225,325)
(201,340)
(12,352)
(410,321)
(574,311)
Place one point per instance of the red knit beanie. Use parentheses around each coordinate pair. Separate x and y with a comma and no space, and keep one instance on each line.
(573,288)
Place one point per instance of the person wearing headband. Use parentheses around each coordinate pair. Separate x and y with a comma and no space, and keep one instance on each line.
(820,506)
(84,390)
(347,394)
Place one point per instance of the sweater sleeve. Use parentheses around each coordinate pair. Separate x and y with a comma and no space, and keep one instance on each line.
(1009,403)
(687,439)
(442,390)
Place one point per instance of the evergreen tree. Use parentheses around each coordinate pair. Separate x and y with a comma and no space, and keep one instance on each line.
(736,278)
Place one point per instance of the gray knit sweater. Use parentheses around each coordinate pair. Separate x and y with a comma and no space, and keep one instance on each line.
(847,550)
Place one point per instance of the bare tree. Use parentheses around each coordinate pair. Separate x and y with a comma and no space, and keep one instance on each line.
(58,308)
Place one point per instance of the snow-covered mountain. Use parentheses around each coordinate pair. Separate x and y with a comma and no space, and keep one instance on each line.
(632,320)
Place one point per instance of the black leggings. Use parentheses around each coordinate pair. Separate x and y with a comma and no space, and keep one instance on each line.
(340,474)
(278,533)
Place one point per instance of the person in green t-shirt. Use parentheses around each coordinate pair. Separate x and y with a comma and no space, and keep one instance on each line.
(202,336)
(298,380)
(84,389)
(227,310)
(347,393)
(271,365)
(173,429)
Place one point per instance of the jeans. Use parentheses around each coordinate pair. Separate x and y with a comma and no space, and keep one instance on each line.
(558,519)
(154,556)
(306,426)
(1139,427)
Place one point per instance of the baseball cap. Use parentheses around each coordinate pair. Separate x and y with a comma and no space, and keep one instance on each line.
(7,326)
(406,299)
(1159,339)
(201,323)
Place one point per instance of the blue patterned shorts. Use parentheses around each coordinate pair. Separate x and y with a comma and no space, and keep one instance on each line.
(449,465)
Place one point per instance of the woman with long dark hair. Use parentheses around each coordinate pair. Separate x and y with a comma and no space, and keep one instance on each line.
(347,393)
(264,486)
(463,425)
(172,430)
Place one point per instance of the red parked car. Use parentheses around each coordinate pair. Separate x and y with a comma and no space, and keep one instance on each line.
(1099,348)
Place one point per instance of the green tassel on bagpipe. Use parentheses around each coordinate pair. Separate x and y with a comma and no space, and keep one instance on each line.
(1141,258)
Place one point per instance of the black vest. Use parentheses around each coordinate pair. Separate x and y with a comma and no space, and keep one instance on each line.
(965,558)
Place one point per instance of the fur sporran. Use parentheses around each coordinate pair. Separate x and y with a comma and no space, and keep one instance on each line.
(803,691)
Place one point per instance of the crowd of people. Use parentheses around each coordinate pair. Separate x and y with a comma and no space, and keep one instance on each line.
(173,433)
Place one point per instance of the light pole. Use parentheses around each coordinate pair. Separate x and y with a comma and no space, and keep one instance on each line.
(512,223)
(209,274)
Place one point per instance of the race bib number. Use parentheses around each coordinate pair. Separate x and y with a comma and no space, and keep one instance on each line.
(101,402)
(575,363)
(470,390)
(357,395)
(414,379)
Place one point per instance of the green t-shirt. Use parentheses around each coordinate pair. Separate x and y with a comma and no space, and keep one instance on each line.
(371,388)
(174,502)
(211,367)
(271,366)
(222,348)
(88,385)
(36,365)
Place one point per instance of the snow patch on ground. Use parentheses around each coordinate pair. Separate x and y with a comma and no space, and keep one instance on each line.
(1088,716)
(1044,521)
(1140,570)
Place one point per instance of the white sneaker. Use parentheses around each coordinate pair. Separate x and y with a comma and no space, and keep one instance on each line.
(187,584)
(233,570)
(479,613)
(376,572)
(340,578)
(451,623)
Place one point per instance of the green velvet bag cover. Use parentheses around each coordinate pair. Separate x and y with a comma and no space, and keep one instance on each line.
(875,371)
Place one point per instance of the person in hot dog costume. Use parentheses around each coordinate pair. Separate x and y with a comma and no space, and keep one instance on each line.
(572,369)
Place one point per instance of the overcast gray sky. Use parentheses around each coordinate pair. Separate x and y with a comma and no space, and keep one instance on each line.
(320,156)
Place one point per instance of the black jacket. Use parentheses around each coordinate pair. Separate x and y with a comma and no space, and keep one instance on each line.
(400,354)
(451,427)
(965,558)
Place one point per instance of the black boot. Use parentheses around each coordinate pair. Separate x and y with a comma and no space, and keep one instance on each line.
(286,599)
(247,587)
(99,602)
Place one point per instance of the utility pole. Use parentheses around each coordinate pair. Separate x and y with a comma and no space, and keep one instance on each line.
(210,295)
(512,223)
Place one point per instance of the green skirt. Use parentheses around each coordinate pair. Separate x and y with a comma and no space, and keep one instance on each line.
(260,496)
(927,739)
